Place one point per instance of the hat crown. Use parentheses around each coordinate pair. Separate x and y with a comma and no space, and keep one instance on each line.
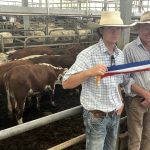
(145,17)
(111,18)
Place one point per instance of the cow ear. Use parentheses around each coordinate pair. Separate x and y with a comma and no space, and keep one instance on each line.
(65,70)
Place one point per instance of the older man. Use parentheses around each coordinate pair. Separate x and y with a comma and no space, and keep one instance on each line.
(138,88)
(102,103)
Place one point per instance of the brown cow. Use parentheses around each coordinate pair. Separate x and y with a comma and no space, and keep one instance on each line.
(6,67)
(26,80)
(30,51)
(64,61)
(73,50)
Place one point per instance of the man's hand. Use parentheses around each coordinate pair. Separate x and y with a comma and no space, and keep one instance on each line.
(147,96)
(119,111)
(145,103)
(97,70)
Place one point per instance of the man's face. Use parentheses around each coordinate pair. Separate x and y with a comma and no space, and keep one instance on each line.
(144,32)
(111,34)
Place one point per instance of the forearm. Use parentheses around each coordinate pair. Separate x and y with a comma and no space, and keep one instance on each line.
(75,80)
(138,90)
(144,93)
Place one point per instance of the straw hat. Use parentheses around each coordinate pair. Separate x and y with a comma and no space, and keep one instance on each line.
(109,18)
(145,18)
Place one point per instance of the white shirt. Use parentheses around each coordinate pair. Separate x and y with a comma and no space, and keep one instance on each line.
(105,96)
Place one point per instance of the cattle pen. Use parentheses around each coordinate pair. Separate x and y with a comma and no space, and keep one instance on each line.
(50,119)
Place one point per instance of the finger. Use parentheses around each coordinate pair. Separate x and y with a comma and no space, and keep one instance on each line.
(97,80)
(103,67)
(101,72)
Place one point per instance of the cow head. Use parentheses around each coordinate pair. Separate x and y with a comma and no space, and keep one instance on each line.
(60,76)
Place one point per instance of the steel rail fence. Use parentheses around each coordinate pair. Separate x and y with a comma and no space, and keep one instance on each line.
(39,122)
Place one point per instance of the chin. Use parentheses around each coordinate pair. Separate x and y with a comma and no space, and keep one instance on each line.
(114,41)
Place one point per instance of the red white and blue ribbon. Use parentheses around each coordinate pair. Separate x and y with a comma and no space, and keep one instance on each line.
(126,68)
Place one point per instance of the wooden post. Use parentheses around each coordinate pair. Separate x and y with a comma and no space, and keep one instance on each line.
(125,8)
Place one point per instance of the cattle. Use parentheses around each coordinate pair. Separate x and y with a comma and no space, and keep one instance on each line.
(64,58)
(10,51)
(6,67)
(83,33)
(37,33)
(64,61)
(73,50)
(3,58)
(30,51)
(30,57)
(27,80)
(7,37)
(60,34)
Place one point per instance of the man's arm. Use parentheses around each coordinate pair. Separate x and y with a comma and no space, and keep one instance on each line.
(76,79)
(140,91)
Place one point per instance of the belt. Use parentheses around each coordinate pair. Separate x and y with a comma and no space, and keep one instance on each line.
(98,113)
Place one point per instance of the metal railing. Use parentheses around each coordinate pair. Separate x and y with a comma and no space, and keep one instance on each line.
(138,5)
(48,40)
(39,122)
(6,133)
(82,137)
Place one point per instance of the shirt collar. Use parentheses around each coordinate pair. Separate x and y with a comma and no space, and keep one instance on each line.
(138,40)
(104,49)
(139,43)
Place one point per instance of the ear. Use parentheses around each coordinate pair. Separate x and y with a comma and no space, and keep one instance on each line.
(65,70)
(101,31)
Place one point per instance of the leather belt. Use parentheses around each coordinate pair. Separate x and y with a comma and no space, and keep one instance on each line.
(98,113)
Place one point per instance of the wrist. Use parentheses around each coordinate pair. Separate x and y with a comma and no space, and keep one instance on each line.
(88,73)
(145,93)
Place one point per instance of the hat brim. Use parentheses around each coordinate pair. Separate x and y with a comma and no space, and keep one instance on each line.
(93,25)
(145,22)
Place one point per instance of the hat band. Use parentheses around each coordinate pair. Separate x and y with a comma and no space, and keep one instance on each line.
(145,20)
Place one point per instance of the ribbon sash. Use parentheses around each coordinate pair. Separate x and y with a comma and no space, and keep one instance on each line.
(126,68)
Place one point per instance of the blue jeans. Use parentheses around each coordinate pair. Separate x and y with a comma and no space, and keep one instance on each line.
(101,133)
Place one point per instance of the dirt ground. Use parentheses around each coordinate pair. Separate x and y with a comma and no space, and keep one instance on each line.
(47,136)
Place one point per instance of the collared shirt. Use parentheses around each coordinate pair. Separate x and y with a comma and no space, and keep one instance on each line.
(133,52)
(105,96)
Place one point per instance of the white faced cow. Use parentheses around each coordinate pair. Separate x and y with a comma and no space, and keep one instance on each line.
(25,80)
